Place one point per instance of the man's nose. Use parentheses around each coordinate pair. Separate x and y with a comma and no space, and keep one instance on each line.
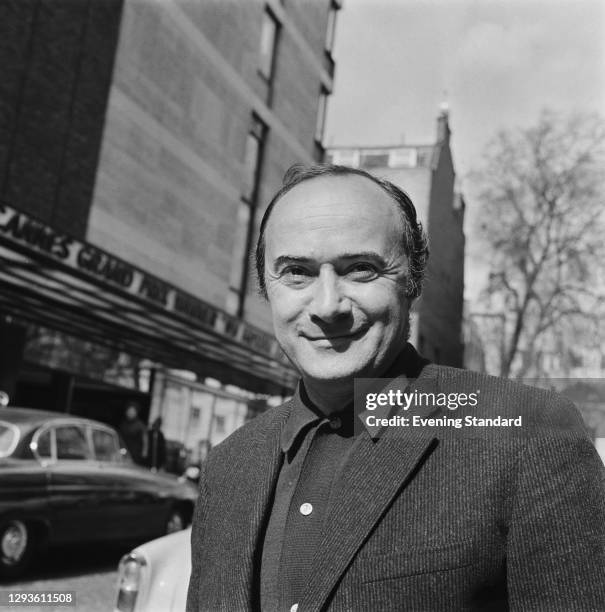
(328,302)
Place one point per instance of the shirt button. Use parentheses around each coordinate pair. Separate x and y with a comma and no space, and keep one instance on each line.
(335,423)
(305,510)
(294,608)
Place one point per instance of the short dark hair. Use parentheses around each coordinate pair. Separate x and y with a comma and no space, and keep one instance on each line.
(414,239)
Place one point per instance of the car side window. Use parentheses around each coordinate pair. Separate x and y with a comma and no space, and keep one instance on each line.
(44,445)
(71,443)
(106,446)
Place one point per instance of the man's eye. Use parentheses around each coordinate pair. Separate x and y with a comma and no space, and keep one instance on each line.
(294,271)
(362,271)
(295,275)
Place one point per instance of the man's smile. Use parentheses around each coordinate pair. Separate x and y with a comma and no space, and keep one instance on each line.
(351,335)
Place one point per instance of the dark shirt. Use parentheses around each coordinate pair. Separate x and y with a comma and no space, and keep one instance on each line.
(133,432)
(315,451)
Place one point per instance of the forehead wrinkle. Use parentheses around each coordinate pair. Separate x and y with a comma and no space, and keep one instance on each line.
(319,220)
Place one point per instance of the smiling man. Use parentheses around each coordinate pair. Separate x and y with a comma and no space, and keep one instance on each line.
(301,510)
(336,275)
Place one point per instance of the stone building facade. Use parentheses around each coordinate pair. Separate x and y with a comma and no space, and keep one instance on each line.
(210,103)
(140,141)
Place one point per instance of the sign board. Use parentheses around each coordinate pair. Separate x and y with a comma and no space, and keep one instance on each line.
(116,274)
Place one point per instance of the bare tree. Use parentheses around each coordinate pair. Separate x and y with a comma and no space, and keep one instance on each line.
(541,224)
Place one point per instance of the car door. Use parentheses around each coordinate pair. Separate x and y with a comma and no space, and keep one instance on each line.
(123,509)
(23,479)
(73,485)
(134,502)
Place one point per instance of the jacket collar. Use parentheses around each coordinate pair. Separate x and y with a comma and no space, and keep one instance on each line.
(377,470)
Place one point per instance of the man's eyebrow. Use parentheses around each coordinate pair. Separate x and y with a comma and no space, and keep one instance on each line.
(289,259)
(297,259)
(362,255)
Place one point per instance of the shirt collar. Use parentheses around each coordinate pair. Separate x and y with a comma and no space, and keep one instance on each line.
(301,417)
(303,414)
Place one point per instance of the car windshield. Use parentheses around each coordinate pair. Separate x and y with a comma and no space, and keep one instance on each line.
(9,435)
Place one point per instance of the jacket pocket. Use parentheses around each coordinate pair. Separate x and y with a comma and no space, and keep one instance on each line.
(416,560)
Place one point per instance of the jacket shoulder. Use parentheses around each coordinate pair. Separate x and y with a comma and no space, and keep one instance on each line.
(251,432)
(504,396)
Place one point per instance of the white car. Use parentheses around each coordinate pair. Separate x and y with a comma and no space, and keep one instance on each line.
(154,576)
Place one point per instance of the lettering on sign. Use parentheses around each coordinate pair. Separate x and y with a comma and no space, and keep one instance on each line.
(195,309)
(154,289)
(104,266)
(35,234)
(231,326)
(261,342)
(20,228)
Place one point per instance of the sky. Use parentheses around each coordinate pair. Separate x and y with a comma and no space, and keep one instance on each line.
(497,64)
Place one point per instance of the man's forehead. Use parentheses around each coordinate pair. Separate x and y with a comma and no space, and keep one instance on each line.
(341,197)
(334,218)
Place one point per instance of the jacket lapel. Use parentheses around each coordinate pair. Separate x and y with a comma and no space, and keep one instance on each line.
(253,487)
(377,471)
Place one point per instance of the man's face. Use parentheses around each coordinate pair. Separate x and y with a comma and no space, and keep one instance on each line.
(336,274)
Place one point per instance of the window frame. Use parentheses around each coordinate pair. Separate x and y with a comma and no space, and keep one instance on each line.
(267,72)
(322,112)
(80,427)
(118,456)
(236,295)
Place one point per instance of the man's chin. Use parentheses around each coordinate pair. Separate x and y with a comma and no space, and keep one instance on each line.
(331,373)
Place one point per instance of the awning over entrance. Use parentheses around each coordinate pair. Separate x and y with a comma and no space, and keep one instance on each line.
(56,281)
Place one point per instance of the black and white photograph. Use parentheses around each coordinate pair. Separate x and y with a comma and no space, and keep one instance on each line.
(302,305)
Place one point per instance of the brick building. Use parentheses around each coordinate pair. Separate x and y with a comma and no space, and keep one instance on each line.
(139,142)
(426,173)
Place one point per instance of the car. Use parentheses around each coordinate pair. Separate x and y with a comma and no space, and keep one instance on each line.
(154,577)
(69,480)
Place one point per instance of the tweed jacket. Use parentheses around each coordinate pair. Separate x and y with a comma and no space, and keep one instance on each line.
(424,522)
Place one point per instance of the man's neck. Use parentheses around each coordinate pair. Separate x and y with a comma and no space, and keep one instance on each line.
(329,397)
(333,396)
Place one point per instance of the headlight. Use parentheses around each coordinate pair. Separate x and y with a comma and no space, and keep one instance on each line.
(130,575)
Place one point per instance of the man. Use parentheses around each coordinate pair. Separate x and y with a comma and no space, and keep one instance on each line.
(134,433)
(156,446)
(303,510)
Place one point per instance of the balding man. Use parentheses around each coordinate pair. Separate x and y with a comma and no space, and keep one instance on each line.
(310,507)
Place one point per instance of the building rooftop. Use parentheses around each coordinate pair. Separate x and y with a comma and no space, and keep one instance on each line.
(401,156)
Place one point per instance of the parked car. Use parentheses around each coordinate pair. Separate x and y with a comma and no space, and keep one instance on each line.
(154,577)
(67,480)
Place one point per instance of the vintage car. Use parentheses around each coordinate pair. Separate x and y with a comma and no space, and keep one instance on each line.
(67,480)
(154,577)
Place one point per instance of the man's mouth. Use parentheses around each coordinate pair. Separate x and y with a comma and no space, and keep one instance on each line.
(335,336)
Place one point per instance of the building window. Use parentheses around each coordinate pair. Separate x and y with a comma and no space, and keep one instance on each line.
(321,115)
(252,155)
(331,30)
(238,255)
(245,218)
(346,157)
(219,424)
(268,44)
(407,158)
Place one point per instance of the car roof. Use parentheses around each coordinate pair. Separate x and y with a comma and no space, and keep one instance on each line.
(30,417)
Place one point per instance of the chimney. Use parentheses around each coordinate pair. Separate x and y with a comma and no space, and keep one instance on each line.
(443,128)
